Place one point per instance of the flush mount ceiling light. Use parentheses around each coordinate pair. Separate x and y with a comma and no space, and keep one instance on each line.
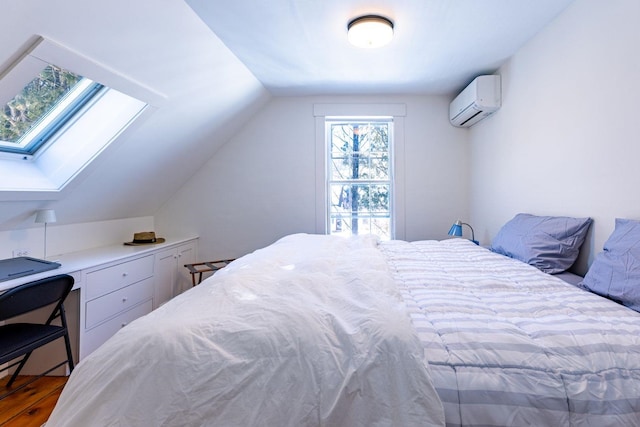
(370,31)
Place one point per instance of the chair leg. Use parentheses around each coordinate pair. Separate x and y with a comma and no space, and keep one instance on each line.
(20,366)
(67,344)
(67,341)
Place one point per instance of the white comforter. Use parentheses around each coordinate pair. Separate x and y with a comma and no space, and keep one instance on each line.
(310,331)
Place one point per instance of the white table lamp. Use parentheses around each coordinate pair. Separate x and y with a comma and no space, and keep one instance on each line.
(45,216)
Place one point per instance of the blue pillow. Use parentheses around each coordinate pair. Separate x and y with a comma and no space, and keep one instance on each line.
(550,243)
(615,273)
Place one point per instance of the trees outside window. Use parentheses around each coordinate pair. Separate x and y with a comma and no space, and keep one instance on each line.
(42,107)
(360,177)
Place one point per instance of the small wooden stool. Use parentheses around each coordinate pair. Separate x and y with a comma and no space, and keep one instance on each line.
(204,267)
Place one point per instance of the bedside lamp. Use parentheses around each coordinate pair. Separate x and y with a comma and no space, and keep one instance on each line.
(45,216)
(456,230)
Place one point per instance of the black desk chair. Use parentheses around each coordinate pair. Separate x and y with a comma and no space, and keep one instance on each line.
(20,339)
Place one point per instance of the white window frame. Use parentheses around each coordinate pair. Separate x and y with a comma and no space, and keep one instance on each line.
(397,112)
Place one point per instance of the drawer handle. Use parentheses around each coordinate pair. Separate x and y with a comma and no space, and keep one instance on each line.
(124,299)
(123,324)
(125,274)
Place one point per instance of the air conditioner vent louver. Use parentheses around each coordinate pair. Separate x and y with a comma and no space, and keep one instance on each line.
(470,118)
(477,101)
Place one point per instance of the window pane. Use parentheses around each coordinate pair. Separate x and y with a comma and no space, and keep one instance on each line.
(340,168)
(35,101)
(374,198)
(344,225)
(360,197)
(374,166)
(42,108)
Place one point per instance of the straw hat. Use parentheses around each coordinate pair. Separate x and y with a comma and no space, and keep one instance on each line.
(145,238)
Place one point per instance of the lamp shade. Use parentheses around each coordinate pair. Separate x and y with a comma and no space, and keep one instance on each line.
(370,31)
(456,229)
(46,216)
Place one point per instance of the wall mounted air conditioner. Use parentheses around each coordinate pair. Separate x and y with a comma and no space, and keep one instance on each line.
(477,101)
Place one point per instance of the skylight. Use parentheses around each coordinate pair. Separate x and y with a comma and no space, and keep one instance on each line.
(42,107)
(59,112)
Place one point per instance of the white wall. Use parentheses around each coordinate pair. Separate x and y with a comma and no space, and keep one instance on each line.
(566,139)
(65,238)
(260,185)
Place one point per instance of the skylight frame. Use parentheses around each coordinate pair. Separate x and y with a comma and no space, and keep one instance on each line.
(80,145)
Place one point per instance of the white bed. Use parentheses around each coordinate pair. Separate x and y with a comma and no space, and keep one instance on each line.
(327,331)
(296,334)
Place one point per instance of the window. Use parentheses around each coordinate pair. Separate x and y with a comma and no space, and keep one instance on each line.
(59,112)
(41,108)
(360,176)
(372,190)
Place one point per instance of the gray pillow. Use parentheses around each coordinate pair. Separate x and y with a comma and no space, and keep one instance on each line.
(615,273)
(550,243)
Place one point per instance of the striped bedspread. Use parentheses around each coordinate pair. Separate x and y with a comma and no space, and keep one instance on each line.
(508,345)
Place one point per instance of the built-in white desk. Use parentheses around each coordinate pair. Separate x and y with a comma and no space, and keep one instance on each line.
(116,284)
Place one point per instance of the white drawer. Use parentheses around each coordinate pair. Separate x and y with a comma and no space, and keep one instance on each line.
(101,309)
(109,279)
(97,336)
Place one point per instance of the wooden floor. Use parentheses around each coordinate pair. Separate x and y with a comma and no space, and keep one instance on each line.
(32,405)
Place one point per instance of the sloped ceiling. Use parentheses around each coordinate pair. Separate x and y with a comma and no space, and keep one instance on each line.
(164,46)
(217,62)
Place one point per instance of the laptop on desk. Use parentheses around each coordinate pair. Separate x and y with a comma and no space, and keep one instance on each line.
(12,268)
